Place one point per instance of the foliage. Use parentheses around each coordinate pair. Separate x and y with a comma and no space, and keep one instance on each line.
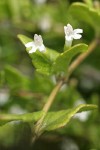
(28,83)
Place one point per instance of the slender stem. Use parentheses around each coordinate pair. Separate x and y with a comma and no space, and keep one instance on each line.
(52,96)
(46,108)
(72,67)
(56,89)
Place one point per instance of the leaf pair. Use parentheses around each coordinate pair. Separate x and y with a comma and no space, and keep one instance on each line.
(52,62)
(52,120)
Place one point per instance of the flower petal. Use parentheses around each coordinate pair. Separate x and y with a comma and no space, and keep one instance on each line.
(29,44)
(33,50)
(42,48)
(38,40)
(68,29)
(78,31)
(77,36)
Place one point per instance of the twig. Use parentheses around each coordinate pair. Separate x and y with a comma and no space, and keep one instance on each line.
(46,108)
(56,89)
(53,95)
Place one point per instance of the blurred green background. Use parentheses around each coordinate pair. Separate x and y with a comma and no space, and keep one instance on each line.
(22,90)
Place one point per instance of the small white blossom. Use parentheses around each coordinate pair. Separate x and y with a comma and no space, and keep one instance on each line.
(71,34)
(4,96)
(16,109)
(45,23)
(37,44)
(40,1)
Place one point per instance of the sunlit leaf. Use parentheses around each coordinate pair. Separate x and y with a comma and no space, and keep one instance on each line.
(58,119)
(86,14)
(29,117)
(41,61)
(89,3)
(24,39)
(63,60)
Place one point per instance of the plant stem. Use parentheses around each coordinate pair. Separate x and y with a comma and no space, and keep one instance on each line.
(72,67)
(46,108)
(56,89)
(52,96)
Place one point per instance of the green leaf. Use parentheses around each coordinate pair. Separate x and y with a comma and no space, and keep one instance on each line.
(89,3)
(24,39)
(15,79)
(52,121)
(87,14)
(51,61)
(29,117)
(41,61)
(51,54)
(63,60)
(55,120)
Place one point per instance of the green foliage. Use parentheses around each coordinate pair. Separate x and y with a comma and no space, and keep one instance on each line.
(15,79)
(52,120)
(42,61)
(89,3)
(29,117)
(63,60)
(17,132)
(29,88)
(25,83)
(55,120)
(86,14)
(47,63)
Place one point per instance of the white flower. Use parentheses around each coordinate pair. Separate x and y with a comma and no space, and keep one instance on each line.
(40,1)
(71,34)
(4,96)
(45,23)
(37,44)
(16,109)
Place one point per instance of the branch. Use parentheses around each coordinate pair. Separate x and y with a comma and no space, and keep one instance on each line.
(56,89)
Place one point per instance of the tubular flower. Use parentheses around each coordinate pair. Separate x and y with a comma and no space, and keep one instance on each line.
(37,44)
(71,34)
